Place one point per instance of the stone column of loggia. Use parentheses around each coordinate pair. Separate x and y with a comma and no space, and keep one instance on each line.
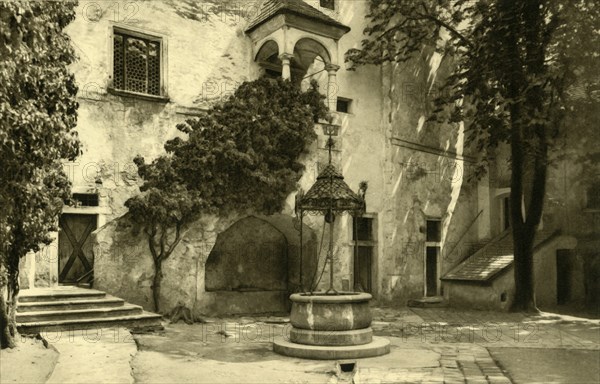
(286,72)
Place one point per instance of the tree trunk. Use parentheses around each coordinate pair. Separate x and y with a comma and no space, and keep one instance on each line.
(527,201)
(13,290)
(524,300)
(6,339)
(156,286)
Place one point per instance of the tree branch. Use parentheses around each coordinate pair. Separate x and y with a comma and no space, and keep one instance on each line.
(151,245)
(451,29)
(176,240)
(163,234)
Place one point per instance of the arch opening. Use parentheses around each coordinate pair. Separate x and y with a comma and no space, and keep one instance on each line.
(255,265)
(251,255)
(307,63)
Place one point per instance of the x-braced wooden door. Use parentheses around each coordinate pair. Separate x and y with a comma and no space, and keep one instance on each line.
(75,258)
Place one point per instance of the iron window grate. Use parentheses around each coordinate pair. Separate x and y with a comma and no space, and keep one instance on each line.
(136,64)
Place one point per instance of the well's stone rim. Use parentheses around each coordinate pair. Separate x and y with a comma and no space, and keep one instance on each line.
(322,298)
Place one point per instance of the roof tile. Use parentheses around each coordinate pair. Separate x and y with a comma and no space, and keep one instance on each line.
(271,8)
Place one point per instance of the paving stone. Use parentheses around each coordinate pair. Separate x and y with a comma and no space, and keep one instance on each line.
(476,381)
(499,380)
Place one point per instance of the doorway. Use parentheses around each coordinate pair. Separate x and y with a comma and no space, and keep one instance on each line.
(364,238)
(75,257)
(564,272)
(431,271)
(433,238)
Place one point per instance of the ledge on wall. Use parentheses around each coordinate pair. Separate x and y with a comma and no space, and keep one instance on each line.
(143,96)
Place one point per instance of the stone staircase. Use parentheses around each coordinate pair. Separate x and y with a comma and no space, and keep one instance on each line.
(72,308)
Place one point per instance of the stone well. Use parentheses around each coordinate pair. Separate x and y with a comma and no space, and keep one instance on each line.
(331,326)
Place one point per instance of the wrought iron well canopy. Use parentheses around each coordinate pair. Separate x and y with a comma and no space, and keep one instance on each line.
(329,196)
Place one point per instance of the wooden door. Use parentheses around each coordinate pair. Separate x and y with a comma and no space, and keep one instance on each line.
(75,258)
(431,271)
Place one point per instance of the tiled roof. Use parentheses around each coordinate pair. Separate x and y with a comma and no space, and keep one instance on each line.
(272,8)
(489,261)
(330,188)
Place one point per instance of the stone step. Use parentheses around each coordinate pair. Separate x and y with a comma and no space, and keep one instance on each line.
(62,294)
(78,314)
(142,321)
(87,303)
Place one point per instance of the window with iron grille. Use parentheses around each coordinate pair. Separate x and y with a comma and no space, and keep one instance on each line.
(136,63)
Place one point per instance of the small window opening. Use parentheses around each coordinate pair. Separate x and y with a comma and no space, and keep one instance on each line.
(593,196)
(343,105)
(364,229)
(329,4)
(85,199)
(434,230)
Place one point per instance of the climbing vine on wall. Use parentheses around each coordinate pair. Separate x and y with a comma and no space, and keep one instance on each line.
(241,155)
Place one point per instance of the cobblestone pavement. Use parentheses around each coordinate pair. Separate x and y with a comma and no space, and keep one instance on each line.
(464,338)
(489,329)
(235,348)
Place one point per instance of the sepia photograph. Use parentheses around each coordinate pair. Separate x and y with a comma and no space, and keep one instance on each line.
(299,191)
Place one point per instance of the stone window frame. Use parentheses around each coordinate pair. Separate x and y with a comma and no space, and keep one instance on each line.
(373,243)
(497,209)
(143,34)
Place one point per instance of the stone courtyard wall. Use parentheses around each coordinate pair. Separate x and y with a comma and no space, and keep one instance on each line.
(124,266)
(416,170)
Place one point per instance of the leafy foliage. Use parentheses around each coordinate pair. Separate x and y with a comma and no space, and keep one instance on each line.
(241,155)
(38,114)
(514,66)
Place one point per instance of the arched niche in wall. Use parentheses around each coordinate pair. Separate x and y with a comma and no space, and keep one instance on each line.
(251,255)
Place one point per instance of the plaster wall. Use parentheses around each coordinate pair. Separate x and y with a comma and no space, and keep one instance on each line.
(426,177)
(406,185)
(571,171)
(416,170)
(114,128)
(124,267)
